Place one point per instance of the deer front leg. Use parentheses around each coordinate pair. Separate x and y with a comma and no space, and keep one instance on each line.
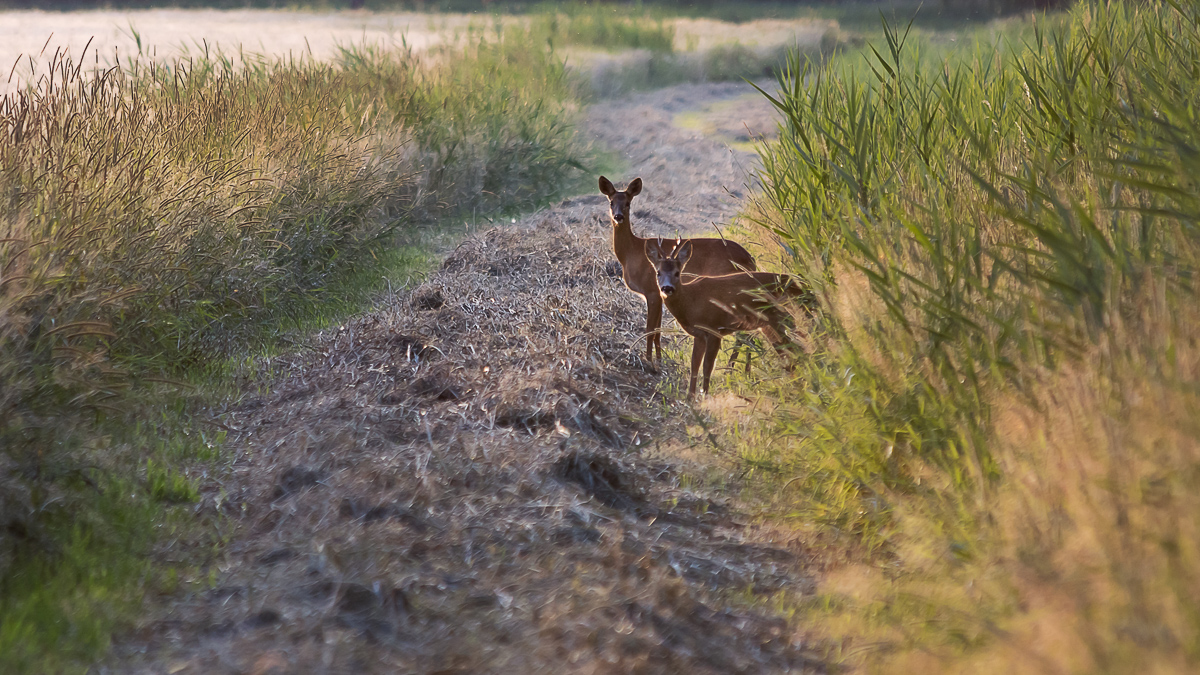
(712,346)
(654,310)
(698,347)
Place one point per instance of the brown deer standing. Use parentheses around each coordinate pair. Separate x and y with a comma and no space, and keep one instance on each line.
(709,308)
(710,257)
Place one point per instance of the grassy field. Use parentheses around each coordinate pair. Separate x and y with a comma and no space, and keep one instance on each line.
(159,219)
(162,219)
(623,47)
(993,442)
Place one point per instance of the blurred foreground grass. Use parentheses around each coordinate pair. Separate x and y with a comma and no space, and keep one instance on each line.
(993,443)
(157,219)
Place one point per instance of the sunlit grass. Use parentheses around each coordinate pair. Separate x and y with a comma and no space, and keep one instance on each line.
(609,27)
(996,414)
(157,220)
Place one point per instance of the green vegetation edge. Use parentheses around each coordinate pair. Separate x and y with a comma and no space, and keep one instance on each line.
(277,213)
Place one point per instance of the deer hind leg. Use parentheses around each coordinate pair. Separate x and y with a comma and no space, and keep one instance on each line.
(777,335)
(654,310)
(742,341)
(712,346)
(733,353)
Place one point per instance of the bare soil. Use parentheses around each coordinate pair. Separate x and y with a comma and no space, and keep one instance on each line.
(481,474)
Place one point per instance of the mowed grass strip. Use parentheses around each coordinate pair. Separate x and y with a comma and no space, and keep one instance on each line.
(997,422)
(158,218)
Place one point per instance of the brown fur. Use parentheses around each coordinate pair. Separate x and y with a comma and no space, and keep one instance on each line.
(710,257)
(709,308)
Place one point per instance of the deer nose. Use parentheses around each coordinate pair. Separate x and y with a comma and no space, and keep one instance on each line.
(668,289)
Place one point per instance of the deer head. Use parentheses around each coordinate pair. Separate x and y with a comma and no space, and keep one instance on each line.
(668,266)
(619,201)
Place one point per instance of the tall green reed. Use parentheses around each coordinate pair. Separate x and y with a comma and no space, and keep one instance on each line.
(999,205)
(1008,228)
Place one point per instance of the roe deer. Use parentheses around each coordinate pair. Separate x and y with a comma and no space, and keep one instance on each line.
(710,257)
(709,308)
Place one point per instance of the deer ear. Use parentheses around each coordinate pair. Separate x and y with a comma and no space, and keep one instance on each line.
(635,187)
(653,253)
(606,187)
(684,253)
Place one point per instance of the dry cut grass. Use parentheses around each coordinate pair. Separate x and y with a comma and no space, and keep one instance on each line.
(463,479)
(156,218)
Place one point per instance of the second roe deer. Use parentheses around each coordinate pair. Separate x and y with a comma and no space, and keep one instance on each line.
(709,308)
(710,257)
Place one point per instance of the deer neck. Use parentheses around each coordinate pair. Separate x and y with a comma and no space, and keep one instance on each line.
(626,246)
(677,304)
(700,307)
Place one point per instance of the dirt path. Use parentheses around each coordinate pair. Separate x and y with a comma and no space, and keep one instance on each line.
(695,177)
(465,478)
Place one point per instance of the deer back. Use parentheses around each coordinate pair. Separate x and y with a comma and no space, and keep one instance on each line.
(728,303)
(713,257)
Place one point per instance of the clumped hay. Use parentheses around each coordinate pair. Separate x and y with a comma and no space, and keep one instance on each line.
(455,482)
